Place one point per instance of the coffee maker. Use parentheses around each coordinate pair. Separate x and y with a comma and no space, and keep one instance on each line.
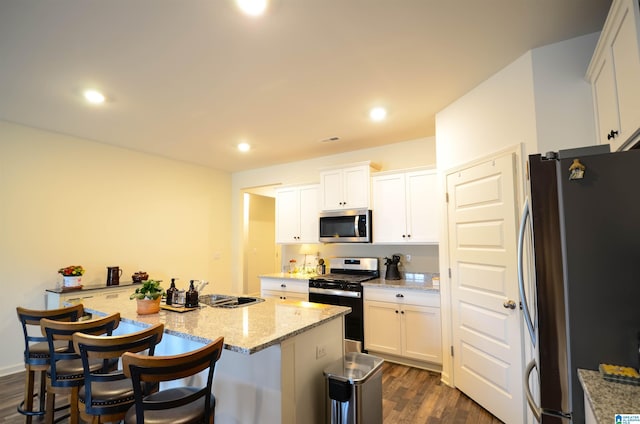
(392,272)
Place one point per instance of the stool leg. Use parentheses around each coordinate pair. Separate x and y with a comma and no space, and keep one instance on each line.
(51,401)
(28,393)
(73,406)
(43,389)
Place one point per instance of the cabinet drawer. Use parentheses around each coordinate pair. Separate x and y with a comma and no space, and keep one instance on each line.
(294,286)
(402,296)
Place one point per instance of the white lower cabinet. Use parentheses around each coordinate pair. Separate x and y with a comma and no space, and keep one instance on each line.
(284,289)
(403,323)
(55,299)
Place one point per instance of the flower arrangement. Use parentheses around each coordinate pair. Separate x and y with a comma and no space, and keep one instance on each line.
(71,271)
(150,290)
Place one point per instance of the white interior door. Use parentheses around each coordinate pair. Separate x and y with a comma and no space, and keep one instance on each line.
(487,336)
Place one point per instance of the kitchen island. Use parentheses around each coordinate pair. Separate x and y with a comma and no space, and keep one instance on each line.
(271,370)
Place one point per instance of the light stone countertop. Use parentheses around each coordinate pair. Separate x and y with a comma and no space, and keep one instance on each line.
(289,276)
(609,398)
(94,287)
(246,330)
(412,281)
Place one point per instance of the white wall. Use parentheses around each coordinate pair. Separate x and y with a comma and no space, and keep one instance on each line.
(563,100)
(537,103)
(67,201)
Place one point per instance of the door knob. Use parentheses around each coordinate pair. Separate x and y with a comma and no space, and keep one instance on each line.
(509,304)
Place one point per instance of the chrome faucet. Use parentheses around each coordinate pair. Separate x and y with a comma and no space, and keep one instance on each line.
(201,286)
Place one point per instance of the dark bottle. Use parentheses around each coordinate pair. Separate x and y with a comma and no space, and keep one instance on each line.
(170,292)
(191,297)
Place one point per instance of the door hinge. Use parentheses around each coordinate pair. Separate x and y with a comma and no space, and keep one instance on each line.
(449,272)
(446,195)
(451,350)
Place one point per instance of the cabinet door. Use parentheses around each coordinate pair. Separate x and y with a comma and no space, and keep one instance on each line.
(332,190)
(356,187)
(309,214)
(626,65)
(422,207)
(389,209)
(382,327)
(606,103)
(421,338)
(615,76)
(287,215)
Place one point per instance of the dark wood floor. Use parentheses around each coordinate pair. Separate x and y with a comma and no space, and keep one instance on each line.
(410,395)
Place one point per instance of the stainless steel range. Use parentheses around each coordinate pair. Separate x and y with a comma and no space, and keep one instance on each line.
(342,286)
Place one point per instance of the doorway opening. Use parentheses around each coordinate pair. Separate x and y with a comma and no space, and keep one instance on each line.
(260,253)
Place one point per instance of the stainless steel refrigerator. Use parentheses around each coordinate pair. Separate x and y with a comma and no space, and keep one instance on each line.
(584,208)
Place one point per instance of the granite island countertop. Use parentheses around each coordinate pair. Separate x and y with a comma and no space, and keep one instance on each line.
(246,330)
(608,398)
(412,281)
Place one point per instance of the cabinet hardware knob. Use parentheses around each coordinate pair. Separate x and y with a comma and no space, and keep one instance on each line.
(283,285)
(509,304)
(402,312)
(399,295)
(409,235)
(396,312)
(403,236)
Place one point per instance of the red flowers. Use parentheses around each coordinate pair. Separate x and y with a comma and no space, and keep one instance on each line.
(72,271)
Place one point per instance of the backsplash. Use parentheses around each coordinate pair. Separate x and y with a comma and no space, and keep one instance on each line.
(423,258)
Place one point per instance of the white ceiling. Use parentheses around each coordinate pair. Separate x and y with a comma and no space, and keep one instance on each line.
(189,79)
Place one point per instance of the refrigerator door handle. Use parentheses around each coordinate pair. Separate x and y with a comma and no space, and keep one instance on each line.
(526,217)
(535,409)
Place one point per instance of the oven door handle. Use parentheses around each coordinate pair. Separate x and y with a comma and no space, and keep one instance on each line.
(332,292)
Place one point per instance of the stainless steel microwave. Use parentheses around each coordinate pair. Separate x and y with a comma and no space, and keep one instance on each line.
(348,226)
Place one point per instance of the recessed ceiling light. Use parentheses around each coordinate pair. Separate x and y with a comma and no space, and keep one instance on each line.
(93,96)
(244,147)
(252,7)
(378,114)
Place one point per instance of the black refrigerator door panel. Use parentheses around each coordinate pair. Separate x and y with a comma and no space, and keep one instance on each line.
(600,227)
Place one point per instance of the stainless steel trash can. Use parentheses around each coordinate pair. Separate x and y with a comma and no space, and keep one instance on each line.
(354,389)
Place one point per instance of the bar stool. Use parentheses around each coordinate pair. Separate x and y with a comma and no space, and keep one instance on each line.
(36,353)
(66,373)
(107,395)
(178,404)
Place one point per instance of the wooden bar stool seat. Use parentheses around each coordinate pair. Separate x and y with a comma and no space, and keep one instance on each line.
(36,353)
(107,394)
(66,371)
(173,405)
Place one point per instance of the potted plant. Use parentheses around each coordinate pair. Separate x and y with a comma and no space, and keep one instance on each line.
(72,276)
(148,297)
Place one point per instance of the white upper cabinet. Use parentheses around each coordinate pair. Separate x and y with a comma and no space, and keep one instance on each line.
(297,211)
(405,208)
(345,188)
(614,73)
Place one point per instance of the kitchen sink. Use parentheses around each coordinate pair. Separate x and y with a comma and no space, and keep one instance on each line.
(225,301)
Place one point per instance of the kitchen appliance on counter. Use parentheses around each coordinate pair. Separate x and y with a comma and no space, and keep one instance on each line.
(583,224)
(343,286)
(348,226)
(392,272)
